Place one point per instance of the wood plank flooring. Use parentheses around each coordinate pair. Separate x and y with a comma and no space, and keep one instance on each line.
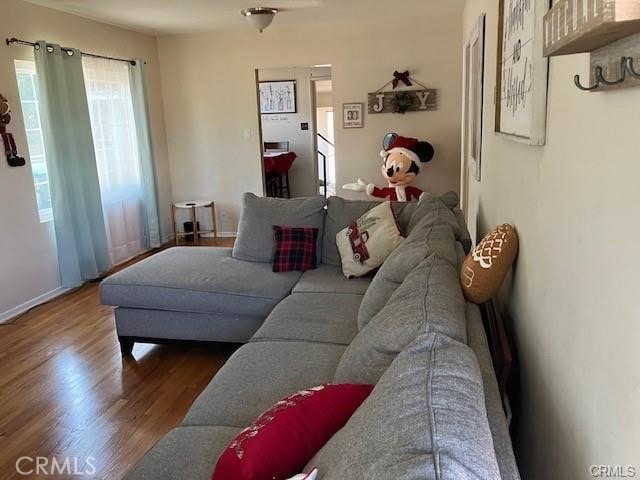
(65,390)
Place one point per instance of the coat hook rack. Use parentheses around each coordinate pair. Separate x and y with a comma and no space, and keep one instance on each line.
(631,70)
(576,80)
(626,68)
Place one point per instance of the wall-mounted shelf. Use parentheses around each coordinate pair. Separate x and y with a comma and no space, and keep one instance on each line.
(578,26)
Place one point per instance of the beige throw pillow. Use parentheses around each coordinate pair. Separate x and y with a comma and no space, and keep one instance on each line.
(365,244)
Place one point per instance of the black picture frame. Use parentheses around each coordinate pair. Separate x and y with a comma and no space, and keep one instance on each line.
(278,97)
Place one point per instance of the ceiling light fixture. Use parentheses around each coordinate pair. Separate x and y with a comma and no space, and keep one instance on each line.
(259,17)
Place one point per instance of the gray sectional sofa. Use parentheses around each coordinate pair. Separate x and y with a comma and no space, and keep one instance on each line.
(435,412)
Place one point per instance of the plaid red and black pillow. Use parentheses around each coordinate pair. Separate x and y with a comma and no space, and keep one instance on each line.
(295,248)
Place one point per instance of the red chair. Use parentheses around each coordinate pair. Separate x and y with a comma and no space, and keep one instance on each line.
(277,163)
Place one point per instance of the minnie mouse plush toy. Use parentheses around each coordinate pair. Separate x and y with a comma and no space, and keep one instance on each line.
(401,156)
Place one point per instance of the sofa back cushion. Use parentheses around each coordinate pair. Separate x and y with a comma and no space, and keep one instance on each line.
(255,241)
(428,237)
(465,235)
(429,300)
(341,213)
(431,208)
(451,201)
(426,419)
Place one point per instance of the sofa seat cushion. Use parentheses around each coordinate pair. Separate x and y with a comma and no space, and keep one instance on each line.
(313,317)
(184,453)
(198,280)
(425,419)
(330,279)
(259,374)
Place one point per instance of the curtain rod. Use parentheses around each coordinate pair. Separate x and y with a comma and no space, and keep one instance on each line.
(10,41)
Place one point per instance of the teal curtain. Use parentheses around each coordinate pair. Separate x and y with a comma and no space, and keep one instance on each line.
(145,149)
(73,176)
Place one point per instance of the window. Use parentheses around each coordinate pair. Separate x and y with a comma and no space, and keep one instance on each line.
(117,156)
(28,88)
(113,125)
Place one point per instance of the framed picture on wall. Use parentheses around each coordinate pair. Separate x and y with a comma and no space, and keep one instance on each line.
(352,115)
(473,100)
(278,97)
(521,93)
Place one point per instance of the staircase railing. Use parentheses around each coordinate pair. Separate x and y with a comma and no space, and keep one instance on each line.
(322,163)
(324,172)
(326,140)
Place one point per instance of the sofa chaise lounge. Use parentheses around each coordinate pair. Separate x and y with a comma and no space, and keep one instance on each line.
(403,329)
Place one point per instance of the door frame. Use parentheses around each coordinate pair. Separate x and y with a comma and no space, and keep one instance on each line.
(472,110)
(314,123)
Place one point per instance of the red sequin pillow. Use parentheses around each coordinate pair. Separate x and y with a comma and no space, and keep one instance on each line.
(295,248)
(284,438)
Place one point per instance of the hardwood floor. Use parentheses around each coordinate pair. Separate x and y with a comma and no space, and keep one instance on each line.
(65,390)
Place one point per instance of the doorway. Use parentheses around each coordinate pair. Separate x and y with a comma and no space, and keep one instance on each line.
(295,114)
(325,144)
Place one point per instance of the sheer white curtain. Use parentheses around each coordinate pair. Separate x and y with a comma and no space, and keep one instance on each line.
(117,156)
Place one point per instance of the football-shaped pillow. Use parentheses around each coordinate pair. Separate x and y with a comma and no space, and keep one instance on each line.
(282,440)
(365,244)
(484,269)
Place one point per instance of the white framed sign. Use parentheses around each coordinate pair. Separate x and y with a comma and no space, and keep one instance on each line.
(521,90)
(352,115)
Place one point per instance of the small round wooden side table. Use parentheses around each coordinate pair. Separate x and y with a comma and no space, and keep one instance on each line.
(193,207)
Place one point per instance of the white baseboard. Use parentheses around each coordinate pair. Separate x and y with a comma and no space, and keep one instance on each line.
(172,237)
(222,235)
(15,311)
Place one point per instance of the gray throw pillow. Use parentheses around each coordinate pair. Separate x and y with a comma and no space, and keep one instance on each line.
(429,300)
(426,419)
(341,213)
(432,235)
(255,242)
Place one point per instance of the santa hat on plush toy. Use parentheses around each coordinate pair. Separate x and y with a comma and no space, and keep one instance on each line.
(411,147)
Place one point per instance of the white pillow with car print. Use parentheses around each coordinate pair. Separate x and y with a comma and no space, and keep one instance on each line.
(365,244)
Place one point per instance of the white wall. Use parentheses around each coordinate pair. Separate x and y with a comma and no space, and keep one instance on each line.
(28,264)
(209,93)
(573,295)
(286,127)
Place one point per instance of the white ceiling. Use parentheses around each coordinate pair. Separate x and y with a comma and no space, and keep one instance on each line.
(185,16)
